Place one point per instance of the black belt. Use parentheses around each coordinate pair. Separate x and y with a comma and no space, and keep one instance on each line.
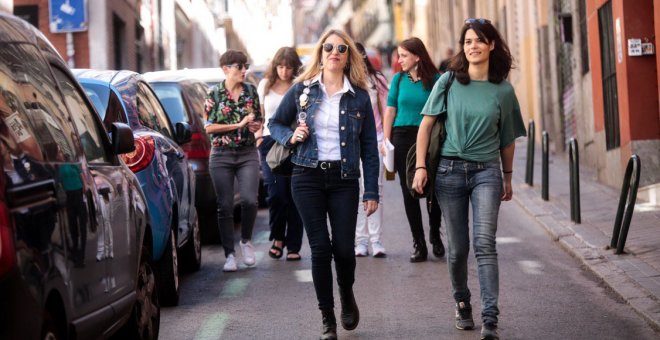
(325,165)
(454,158)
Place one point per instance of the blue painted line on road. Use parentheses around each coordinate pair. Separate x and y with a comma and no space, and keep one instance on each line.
(234,287)
(262,237)
(212,327)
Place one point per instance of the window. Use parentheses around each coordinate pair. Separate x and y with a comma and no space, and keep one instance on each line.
(608,61)
(91,134)
(106,103)
(584,39)
(170,96)
(162,121)
(29,13)
(119,40)
(34,120)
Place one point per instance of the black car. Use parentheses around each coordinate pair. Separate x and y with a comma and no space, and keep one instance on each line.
(74,228)
(183,99)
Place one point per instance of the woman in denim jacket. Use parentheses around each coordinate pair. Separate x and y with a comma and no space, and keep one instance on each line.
(335,130)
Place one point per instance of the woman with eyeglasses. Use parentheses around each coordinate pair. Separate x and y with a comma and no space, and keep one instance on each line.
(335,130)
(285,224)
(233,115)
(483,120)
(409,90)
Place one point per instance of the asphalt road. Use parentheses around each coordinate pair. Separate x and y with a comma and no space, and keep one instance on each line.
(544,293)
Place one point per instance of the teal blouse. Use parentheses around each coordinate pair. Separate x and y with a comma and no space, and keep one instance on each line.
(408,98)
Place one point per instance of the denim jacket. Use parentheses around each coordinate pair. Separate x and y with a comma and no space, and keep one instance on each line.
(357,132)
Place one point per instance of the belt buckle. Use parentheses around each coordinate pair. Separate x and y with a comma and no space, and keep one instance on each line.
(324,165)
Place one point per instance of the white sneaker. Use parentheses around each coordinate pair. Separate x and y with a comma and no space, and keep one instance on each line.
(230,264)
(361,250)
(248,253)
(378,249)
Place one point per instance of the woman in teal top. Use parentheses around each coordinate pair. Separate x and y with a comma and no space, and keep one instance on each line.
(409,91)
(483,121)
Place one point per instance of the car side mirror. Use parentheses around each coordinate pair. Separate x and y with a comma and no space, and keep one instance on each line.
(183,133)
(122,139)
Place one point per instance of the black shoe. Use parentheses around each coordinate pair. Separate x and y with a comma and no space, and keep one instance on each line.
(438,248)
(329,325)
(489,331)
(420,253)
(350,314)
(464,319)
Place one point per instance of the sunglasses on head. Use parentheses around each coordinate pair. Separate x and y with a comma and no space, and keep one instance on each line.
(481,21)
(341,48)
(240,67)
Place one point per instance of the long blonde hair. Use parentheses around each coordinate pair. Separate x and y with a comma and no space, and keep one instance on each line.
(355,69)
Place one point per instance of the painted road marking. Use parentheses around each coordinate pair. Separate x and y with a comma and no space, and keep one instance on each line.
(505,240)
(304,275)
(212,327)
(234,287)
(262,237)
(531,267)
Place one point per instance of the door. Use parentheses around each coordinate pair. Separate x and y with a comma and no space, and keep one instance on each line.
(115,243)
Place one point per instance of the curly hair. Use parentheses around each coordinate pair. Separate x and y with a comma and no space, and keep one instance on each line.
(500,61)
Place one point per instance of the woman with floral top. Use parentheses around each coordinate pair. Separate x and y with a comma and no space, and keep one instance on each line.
(233,115)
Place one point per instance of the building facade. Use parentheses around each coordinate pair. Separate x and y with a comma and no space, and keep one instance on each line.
(137,35)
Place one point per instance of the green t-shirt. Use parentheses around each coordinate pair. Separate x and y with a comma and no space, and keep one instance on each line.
(482,118)
(408,98)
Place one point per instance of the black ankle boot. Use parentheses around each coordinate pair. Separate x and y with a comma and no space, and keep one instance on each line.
(329,325)
(350,314)
(438,248)
(420,253)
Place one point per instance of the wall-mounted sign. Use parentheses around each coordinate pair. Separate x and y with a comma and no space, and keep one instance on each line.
(68,16)
(634,47)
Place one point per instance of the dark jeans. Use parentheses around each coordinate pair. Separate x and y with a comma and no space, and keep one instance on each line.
(321,195)
(403,138)
(225,166)
(285,222)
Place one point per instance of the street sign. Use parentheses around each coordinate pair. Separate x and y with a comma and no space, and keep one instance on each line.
(68,16)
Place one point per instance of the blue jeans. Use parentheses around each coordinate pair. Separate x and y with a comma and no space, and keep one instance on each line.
(242,165)
(285,222)
(459,183)
(321,195)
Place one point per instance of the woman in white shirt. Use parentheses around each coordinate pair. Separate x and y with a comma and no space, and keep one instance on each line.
(286,228)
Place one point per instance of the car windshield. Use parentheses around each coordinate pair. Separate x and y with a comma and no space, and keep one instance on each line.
(98,95)
(170,96)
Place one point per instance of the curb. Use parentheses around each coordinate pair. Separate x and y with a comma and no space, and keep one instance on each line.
(599,261)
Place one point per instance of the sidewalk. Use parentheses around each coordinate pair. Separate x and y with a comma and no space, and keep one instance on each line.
(634,275)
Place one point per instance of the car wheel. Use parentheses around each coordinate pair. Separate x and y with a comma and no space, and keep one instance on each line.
(48,330)
(144,322)
(168,274)
(191,253)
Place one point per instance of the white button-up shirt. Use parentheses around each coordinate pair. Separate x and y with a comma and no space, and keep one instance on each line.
(326,122)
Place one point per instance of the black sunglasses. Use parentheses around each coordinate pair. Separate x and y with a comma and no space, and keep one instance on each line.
(341,48)
(240,67)
(481,21)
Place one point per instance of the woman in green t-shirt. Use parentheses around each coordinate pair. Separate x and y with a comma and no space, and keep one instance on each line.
(409,90)
(483,121)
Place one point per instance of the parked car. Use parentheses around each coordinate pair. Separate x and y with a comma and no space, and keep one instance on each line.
(213,76)
(160,165)
(75,255)
(183,99)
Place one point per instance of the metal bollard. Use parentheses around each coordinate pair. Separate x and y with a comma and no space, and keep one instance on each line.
(632,176)
(544,168)
(574,170)
(529,173)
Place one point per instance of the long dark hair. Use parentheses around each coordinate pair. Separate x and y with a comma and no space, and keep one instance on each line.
(500,61)
(426,70)
(371,70)
(286,56)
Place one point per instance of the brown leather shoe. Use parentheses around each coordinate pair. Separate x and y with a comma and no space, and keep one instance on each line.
(350,314)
